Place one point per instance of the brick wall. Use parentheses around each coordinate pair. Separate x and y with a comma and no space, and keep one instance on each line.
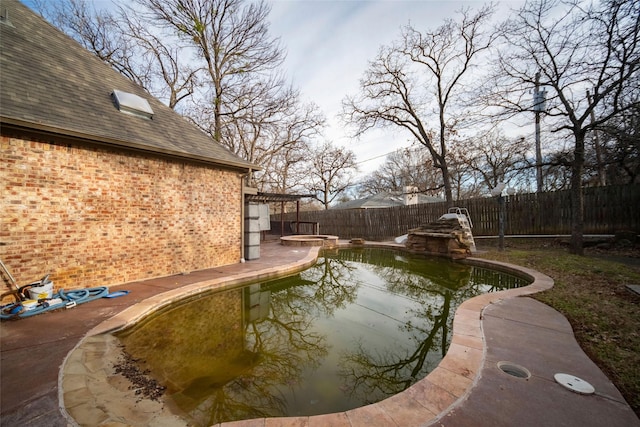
(93,217)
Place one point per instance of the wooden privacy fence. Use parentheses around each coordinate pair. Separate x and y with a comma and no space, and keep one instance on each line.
(606,211)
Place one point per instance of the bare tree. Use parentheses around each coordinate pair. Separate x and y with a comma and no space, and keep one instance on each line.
(406,167)
(127,44)
(331,172)
(97,31)
(575,45)
(556,169)
(400,82)
(246,103)
(493,158)
(287,170)
(231,39)
(168,76)
(620,141)
(279,141)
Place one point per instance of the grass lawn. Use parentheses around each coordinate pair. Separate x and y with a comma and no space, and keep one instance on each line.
(591,292)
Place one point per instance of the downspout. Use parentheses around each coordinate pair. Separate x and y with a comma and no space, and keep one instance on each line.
(242,195)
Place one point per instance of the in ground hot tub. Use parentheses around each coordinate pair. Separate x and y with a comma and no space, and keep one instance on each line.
(310,240)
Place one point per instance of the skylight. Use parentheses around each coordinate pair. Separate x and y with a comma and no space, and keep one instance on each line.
(4,18)
(132,104)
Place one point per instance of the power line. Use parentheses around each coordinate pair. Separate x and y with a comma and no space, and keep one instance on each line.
(416,149)
(376,157)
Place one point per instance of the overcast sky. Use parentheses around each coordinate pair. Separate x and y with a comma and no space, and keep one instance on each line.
(329,44)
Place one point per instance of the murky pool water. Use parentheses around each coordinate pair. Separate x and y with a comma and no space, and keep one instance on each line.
(356,328)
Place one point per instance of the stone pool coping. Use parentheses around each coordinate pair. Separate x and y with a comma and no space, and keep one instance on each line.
(86,380)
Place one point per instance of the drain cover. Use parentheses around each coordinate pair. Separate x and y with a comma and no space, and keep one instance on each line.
(514,370)
(574,383)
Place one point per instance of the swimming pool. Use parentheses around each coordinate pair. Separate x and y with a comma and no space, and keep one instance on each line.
(357,327)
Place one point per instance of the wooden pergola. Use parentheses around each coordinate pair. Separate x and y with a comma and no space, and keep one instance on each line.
(282,198)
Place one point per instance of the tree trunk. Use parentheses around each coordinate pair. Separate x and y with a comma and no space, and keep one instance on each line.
(577,197)
(446,180)
(326,196)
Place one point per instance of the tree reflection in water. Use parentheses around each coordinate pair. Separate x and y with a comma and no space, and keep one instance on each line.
(357,327)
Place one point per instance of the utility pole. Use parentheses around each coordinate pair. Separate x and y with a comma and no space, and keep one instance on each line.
(538,107)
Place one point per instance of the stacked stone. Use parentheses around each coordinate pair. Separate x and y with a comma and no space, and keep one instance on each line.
(444,237)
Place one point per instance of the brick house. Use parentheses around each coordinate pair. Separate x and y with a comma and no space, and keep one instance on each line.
(101,183)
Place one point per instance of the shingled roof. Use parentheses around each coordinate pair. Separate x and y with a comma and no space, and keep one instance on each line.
(383,200)
(50,83)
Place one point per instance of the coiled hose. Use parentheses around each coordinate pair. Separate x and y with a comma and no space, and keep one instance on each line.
(73,297)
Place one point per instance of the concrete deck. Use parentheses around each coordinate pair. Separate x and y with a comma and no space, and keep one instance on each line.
(54,364)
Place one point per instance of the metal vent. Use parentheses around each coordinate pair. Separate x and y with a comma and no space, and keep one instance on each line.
(132,104)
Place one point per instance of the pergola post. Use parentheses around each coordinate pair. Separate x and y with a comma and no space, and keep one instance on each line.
(281,218)
(282,198)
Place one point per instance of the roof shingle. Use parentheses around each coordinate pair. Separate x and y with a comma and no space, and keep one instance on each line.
(51,83)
